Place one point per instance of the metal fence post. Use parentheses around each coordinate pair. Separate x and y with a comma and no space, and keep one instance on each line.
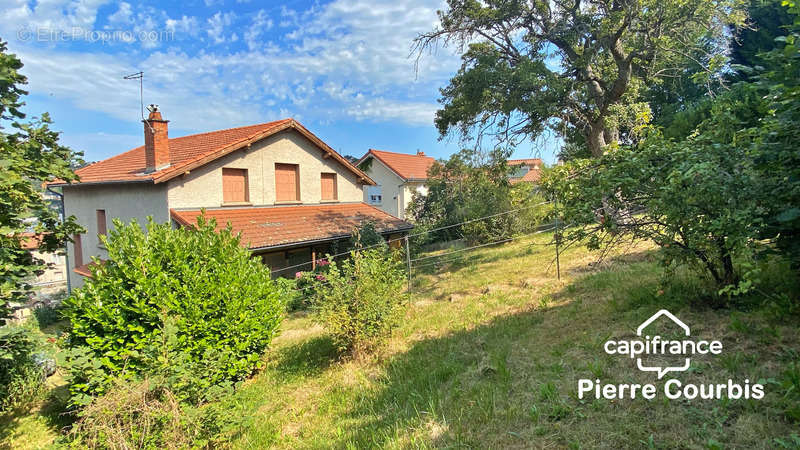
(408,263)
(558,238)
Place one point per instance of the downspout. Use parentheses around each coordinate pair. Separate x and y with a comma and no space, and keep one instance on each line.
(66,246)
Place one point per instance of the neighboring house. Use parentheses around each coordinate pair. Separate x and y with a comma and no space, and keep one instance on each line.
(53,279)
(288,193)
(525,170)
(397,177)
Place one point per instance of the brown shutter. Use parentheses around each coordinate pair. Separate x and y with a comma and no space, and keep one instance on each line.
(234,185)
(329,186)
(76,239)
(287,187)
(101,221)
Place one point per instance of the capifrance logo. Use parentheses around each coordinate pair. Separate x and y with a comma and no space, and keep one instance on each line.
(673,389)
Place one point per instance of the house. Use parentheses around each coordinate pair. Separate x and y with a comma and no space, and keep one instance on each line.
(289,194)
(397,177)
(525,170)
(53,278)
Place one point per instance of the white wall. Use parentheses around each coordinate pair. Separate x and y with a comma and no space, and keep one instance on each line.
(391,191)
(203,186)
(122,201)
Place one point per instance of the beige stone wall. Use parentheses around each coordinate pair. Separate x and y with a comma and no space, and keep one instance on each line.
(408,194)
(390,188)
(203,186)
(122,201)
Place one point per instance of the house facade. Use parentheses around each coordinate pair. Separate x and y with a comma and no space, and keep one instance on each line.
(287,193)
(397,177)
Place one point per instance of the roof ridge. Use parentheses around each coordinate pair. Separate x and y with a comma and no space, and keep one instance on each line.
(399,153)
(274,122)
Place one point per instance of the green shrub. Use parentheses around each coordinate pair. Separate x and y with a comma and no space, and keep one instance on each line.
(187,301)
(361,298)
(21,379)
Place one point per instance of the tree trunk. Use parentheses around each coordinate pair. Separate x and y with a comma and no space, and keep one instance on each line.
(596,139)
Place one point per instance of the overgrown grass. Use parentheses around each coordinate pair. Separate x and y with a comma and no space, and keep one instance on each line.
(490,351)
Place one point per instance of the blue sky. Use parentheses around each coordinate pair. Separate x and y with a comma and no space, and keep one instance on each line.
(343,68)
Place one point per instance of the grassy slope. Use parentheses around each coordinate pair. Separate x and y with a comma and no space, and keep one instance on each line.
(498,367)
(489,356)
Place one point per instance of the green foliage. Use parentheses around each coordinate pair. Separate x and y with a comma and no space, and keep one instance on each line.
(580,68)
(699,199)
(21,380)
(190,303)
(366,236)
(361,298)
(29,156)
(775,151)
(468,186)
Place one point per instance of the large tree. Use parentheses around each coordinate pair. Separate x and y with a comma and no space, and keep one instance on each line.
(30,155)
(572,64)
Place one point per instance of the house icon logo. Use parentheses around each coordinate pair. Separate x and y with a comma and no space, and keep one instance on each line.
(662,370)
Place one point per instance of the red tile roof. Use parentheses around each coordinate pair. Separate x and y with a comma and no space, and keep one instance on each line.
(531,176)
(272,226)
(31,241)
(189,152)
(532,162)
(408,167)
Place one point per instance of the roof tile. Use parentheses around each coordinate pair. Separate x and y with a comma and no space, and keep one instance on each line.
(414,167)
(281,225)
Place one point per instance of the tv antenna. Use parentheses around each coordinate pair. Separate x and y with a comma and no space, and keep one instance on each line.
(139,76)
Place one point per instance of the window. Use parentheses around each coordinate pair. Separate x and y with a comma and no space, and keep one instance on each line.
(374,195)
(101,222)
(287,183)
(234,186)
(329,186)
(78,247)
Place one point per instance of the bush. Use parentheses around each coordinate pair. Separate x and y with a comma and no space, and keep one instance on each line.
(21,378)
(361,299)
(188,302)
(147,414)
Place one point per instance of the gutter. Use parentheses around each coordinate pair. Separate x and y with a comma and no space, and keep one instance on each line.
(66,246)
(98,183)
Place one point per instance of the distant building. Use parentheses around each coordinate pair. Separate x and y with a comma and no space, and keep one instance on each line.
(397,176)
(54,277)
(525,170)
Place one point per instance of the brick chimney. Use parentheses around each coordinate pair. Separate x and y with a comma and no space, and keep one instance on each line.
(420,153)
(156,140)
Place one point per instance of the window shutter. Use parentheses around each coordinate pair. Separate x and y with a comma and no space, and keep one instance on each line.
(287,187)
(234,185)
(78,247)
(101,222)
(329,186)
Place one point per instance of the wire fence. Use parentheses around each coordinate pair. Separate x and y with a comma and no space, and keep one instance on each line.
(439,258)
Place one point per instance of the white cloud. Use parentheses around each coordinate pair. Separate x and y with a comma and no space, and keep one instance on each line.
(261,23)
(217,24)
(348,58)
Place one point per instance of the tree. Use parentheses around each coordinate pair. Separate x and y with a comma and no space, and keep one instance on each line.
(578,64)
(775,152)
(768,19)
(700,199)
(469,185)
(29,156)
